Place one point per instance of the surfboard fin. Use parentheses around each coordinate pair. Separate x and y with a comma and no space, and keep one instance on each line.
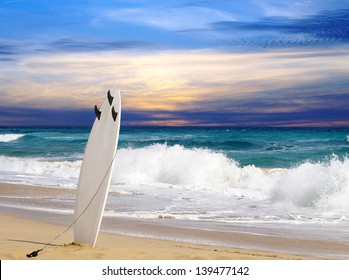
(98,113)
(114,114)
(110,98)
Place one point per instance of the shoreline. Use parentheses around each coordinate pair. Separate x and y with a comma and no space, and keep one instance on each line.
(122,238)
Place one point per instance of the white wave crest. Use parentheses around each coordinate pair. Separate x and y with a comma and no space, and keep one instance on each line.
(10,137)
(39,171)
(188,168)
(174,165)
(322,185)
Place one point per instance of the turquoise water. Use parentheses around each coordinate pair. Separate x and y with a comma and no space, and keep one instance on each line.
(262,147)
(264,178)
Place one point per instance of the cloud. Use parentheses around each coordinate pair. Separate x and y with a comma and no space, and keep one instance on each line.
(22,116)
(297,9)
(172,18)
(303,118)
(75,45)
(115,25)
(7,48)
(160,87)
(328,27)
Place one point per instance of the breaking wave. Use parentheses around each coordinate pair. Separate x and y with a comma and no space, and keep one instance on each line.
(309,184)
(10,137)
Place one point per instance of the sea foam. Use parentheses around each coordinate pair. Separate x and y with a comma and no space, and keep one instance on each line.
(325,184)
(10,137)
(39,171)
(309,184)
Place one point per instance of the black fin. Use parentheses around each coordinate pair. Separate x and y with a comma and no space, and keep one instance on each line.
(110,98)
(98,113)
(114,114)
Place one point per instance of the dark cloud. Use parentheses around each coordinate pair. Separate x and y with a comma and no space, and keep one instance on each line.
(6,59)
(329,27)
(18,116)
(7,49)
(85,117)
(308,117)
(71,45)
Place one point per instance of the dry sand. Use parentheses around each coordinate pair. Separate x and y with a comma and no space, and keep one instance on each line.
(19,236)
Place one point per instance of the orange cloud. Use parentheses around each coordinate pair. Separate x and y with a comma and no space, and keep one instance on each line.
(182,80)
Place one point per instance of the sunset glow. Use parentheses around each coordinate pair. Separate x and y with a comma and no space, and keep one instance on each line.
(219,70)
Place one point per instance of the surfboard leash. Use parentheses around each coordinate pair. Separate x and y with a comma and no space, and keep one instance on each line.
(36,253)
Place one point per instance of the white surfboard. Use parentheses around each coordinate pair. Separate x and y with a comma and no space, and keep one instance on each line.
(96,170)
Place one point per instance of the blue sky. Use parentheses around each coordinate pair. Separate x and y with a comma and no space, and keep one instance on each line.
(251,62)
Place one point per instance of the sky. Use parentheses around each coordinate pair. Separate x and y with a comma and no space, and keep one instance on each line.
(176,63)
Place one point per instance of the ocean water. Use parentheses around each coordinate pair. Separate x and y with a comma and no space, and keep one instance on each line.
(265,177)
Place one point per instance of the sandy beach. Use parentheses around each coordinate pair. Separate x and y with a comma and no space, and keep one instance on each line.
(19,236)
(23,231)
